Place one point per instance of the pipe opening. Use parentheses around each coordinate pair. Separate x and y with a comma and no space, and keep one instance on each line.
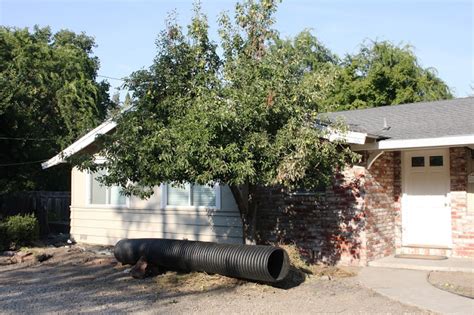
(275,263)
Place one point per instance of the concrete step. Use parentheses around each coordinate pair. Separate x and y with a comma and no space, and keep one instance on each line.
(425,250)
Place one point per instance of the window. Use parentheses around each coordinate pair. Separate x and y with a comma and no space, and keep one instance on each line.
(104,195)
(436,160)
(417,161)
(191,195)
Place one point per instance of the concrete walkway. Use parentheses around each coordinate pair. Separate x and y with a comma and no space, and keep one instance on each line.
(450,264)
(412,288)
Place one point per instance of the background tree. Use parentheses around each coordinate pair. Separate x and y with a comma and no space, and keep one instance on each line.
(48,98)
(128,100)
(385,74)
(244,119)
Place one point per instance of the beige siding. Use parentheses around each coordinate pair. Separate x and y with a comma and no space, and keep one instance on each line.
(145,218)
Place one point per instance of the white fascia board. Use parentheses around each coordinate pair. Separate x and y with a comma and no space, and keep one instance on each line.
(80,144)
(417,143)
(350,137)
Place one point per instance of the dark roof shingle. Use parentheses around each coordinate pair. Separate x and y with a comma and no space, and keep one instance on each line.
(413,121)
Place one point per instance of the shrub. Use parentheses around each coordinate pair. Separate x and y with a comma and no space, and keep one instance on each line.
(19,229)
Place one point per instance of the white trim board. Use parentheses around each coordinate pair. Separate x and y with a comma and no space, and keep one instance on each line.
(349,136)
(416,143)
(80,144)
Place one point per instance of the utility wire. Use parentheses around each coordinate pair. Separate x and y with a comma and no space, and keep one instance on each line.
(23,163)
(27,139)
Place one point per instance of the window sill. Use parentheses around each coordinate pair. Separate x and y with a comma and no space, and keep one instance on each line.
(189,208)
(92,206)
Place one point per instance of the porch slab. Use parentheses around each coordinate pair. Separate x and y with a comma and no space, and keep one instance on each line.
(450,264)
(412,288)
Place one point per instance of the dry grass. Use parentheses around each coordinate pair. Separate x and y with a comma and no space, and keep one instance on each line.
(200,281)
(194,282)
(318,270)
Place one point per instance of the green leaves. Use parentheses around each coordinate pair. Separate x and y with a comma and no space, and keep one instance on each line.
(244,118)
(47,90)
(248,116)
(384,74)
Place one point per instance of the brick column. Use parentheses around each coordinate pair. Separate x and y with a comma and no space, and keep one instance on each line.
(462,221)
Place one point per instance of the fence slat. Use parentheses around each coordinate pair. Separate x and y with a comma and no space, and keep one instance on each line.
(44,204)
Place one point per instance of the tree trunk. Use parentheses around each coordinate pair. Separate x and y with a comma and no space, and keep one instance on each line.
(245,198)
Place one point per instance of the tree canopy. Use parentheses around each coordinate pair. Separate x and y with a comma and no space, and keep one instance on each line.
(243,117)
(381,74)
(242,110)
(48,97)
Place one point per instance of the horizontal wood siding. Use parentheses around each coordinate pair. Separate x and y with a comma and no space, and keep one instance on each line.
(145,218)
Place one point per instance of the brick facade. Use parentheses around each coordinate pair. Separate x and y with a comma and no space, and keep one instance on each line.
(382,207)
(462,220)
(358,218)
(351,223)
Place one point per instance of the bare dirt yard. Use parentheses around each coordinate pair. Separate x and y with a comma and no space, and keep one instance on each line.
(461,283)
(89,280)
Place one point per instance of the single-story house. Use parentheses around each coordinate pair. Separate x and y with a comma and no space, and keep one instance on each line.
(412,193)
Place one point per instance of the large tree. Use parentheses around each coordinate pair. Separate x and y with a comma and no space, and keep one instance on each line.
(245,117)
(48,97)
(381,74)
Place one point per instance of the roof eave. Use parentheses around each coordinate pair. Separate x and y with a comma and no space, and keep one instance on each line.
(80,144)
(401,144)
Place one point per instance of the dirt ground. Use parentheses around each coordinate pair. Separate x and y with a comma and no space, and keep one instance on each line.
(88,280)
(461,283)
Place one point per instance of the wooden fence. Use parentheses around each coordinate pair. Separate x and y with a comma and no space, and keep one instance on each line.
(51,208)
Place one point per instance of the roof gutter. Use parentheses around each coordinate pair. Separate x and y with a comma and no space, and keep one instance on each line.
(351,137)
(465,140)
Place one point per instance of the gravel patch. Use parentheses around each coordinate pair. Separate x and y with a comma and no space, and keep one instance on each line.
(75,280)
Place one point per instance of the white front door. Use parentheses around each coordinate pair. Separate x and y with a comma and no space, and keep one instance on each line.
(426,214)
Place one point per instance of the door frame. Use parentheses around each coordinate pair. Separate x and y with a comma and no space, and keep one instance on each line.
(404,161)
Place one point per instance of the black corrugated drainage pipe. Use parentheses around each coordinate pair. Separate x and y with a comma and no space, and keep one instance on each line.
(254,262)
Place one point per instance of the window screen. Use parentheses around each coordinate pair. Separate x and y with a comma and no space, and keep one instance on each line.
(116,198)
(98,191)
(178,195)
(203,196)
(191,195)
(103,195)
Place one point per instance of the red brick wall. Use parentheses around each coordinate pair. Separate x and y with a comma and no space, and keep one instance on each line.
(382,207)
(351,223)
(358,219)
(324,226)
(462,221)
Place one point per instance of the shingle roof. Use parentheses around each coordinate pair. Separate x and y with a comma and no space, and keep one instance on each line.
(413,121)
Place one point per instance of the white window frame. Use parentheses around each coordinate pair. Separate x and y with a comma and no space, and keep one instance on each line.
(165,205)
(102,205)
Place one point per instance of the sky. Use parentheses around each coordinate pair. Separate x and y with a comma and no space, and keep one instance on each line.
(440,31)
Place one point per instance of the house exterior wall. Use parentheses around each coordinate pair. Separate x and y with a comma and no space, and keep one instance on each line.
(359,218)
(145,218)
(462,220)
(356,220)
(351,223)
(382,205)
